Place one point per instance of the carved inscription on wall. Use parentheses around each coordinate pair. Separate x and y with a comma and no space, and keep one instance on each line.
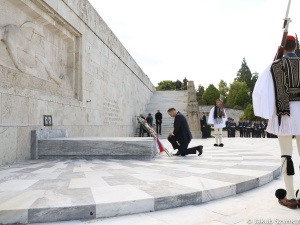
(112,115)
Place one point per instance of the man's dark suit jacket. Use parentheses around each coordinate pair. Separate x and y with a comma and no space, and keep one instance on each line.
(158,116)
(181,131)
(203,121)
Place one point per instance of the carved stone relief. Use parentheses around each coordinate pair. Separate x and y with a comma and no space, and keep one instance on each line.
(42,48)
(25,52)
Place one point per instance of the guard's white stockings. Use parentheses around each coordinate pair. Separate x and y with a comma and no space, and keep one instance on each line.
(218,135)
(286,148)
(298,147)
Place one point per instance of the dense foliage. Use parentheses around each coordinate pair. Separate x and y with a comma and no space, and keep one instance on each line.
(244,75)
(166,85)
(236,95)
(223,89)
(199,93)
(211,94)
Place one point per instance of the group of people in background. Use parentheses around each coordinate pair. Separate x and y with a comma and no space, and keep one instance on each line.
(254,129)
(149,119)
(178,84)
(245,127)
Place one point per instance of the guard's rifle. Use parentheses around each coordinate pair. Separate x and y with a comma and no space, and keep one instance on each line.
(285,33)
(298,47)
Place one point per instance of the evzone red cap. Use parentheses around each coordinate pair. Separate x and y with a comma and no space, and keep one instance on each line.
(290,38)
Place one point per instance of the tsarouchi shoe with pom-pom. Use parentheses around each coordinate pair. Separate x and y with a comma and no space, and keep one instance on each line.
(292,203)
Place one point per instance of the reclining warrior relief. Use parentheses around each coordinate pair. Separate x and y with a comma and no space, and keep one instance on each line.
(23,52)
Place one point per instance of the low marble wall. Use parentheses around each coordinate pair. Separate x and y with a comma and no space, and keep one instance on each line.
(37,135)
(134,148)
(59,58)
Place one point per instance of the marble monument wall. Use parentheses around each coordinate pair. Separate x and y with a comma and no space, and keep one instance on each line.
(59,58)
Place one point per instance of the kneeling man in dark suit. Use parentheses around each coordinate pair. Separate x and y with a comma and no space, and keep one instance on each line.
(181,136)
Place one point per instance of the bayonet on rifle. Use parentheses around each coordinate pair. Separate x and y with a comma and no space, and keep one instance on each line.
(286,22)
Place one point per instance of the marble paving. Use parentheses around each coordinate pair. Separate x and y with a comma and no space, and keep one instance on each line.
(43,191)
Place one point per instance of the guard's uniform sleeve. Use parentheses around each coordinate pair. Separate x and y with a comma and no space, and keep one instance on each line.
(263,95)
(211,116)
(225,116)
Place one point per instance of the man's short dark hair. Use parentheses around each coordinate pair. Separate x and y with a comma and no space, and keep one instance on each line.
(290,46)
(171,109)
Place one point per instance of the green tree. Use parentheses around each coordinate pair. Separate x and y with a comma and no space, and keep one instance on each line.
(210,94)
(244,75)
(253,81)
(248,112)
(223,89)
(199,92)
(166,85)
(235,90)
(202,102)
(242,98)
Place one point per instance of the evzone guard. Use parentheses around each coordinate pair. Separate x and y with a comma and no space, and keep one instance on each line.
(217,118)
(276,97)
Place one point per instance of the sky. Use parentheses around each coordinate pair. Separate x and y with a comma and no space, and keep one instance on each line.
(202,40)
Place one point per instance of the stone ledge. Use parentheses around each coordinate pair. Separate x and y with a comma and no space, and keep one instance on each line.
(44,134)
(97,147)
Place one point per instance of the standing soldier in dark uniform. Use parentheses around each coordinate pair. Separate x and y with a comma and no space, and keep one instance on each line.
(259,125)
(232,128)
(228,127)
(253,125)
(248,128)
(203,124)
(241,128)
(244,127)
(263,129)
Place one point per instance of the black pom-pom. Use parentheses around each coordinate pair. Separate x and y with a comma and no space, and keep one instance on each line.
(297,193)
(280,193)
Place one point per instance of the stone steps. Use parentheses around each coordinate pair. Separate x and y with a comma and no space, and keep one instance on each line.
(163,100)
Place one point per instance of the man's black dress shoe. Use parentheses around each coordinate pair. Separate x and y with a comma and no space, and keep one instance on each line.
(200,150)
